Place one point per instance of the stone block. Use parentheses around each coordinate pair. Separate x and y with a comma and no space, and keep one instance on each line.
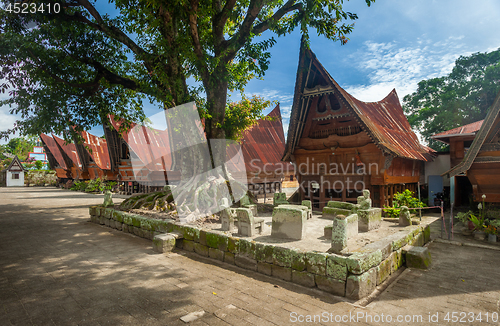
(283,256)
(404,216)
(264,253)
(245,262)
(303,278)
(330,285)
(280,272)
(217,240)
(427,234)
(191,233)
(360,286)
(299,260)
(417,257)
(247,248)
(227,217)
(201,249)
(316,263)
(332,212)
(164,242)
(216,254)
(188,245)
(229,258)
(383,270)
(328,232)
(397,260)
(307,203)
(264,268)
(118,226)
(203,237)
(340,205)
(233,244)
(384,245)
(336,267)
(360,262)
(125,228)
(288,223)
(111,223)
(369,219)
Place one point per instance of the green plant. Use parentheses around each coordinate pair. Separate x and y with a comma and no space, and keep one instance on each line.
(404,198)
(464,217)
(79,186)
(477,221)
(109,186)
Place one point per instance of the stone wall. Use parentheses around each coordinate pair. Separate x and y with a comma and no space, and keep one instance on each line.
(354,276)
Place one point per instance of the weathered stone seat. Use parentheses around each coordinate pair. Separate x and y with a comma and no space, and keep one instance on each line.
(308,204)
(344,227)
(279,198)
(289,221)
(247,223)
(227,218)
(246,203)
(369,218)
(334,208)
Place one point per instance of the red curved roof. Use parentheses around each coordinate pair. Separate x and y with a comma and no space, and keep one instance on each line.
(97,149)
(69,150)
(54,150)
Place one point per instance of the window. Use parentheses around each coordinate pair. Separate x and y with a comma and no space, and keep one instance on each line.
(15,176)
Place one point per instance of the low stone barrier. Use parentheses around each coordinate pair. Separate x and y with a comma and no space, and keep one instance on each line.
(354,276)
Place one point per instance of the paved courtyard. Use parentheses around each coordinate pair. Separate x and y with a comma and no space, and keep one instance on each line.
(56,268)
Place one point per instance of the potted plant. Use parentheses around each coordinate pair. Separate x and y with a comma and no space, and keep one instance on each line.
(491,231)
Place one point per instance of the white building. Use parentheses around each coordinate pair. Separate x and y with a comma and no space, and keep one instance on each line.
(14,174)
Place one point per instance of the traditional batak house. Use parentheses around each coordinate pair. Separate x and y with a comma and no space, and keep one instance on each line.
(481,162)
(93,153)
(75,167)
(13,175)
(262,147)
(56,158)
(460,139)
(141,156)
(341,145)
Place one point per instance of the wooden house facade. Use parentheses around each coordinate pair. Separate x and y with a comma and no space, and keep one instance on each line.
(481,162)
(341,145)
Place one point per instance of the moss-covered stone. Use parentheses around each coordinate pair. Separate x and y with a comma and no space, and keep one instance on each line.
(188,245)
(284,273)
(358,263)
(264,268)
(383,271)
(92,210)
(417,257)
(303,278)
(108,212)
(360,286)
(233,244)
(215,253)
(264,252)
(201,249)
(329,284)
(217,241)
(229,257)
(247,248)
(331,213)
(190,233)
(340,204)
(427,233)
(283,256)
(118,216)
(397,260)
(299,260)
(336,267)
(203,237)
(245,262)
(316,263)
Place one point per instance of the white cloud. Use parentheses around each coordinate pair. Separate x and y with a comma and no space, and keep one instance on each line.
(389,65)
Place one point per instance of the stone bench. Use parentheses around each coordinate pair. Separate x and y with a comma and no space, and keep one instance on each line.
(334,208)
(308,204)
(246,203)
(247,223)
(288,221)
(165,242)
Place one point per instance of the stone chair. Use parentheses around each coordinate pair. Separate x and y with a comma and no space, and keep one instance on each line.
(247,223)
(279,198)
(308,204)
(246,203)
(227,218)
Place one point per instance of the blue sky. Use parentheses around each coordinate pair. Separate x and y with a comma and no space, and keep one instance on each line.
(395,44)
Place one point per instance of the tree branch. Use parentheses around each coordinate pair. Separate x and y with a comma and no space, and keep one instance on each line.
(220,20)
(195,37)
(288,7)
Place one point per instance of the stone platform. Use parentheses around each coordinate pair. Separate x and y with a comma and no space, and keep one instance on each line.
(368,261)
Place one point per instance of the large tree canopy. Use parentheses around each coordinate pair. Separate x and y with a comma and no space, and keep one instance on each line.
(76,65)
(462,97)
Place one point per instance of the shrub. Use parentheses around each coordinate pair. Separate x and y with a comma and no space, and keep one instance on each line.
(404,198)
